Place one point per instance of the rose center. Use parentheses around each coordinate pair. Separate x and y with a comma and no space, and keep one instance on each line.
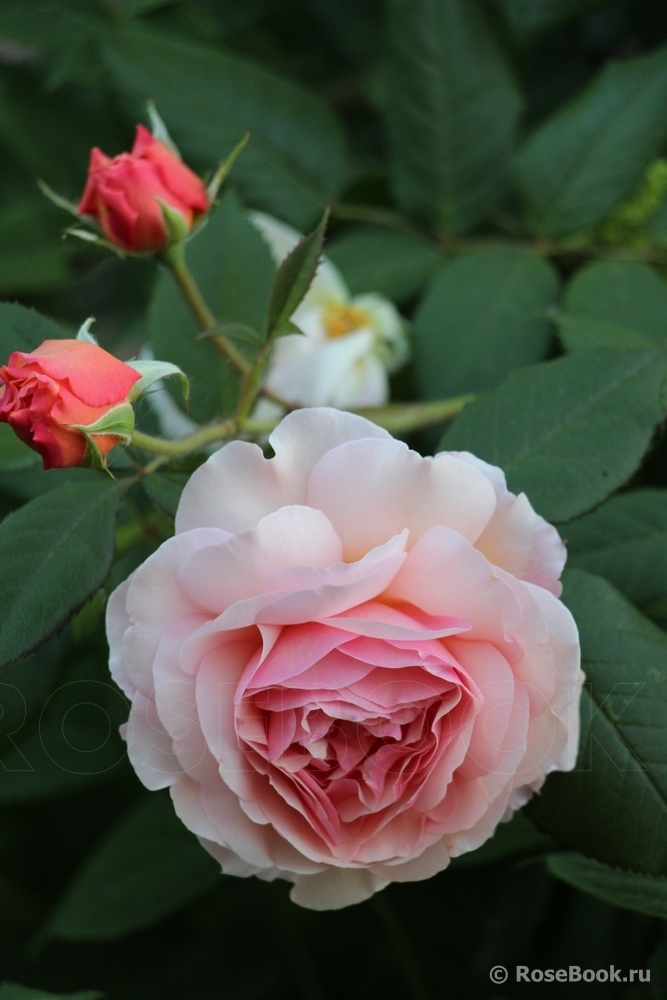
(338,321)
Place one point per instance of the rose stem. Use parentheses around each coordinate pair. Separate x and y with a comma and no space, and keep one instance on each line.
(397,418)
(174,258)
(400,418)
(402,948)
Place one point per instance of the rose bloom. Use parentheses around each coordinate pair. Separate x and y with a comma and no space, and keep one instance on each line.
(350,663)
(350,343)
(59,384)
(124,193)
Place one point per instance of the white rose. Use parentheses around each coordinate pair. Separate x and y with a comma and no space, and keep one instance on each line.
(350,343)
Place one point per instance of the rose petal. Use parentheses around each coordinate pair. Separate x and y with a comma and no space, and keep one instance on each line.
(516,538)
(444,575)
(335,888)
(352,482)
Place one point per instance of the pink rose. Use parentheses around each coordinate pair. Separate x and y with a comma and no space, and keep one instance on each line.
(124,193)
(350,663)
(47,396)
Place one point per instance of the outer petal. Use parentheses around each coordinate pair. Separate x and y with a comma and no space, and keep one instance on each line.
(117,623)
(445,575)
(516,538)
(246,565)
(154,601)
(95,377)
(149,746)
(183,185)
(425,865)
(319,374)
(237,486)
(366,384)
(335,888)
(370,490)
(89,203)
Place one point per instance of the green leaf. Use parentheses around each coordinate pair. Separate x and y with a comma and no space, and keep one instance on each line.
(288,329)
(388,263)
(294,162)
(24,329)
(34,118)
(55,25)
(164,489)
(452,111)
(32,256)
(530,17)
(623,294)
(567,432)
(591,155)
(148,866)
(584,333)
(12,991)
(483,315)
(234,270)
(625,541)
(627,889)
(294,277)
(54,554)
(613,806)
(151,372)
(14,454)
(72,743)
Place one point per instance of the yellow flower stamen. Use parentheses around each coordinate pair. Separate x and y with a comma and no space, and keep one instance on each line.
(338,321)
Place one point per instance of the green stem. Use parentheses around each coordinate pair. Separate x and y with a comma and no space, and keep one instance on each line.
(398,418)
(515,238)
(185,445)
(174,258)
(401,418)
(374,213)
(401,949)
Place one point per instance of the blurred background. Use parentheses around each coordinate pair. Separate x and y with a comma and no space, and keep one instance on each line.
(99,888)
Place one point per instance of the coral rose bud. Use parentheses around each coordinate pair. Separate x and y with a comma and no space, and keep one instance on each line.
(66,397)
(129,194)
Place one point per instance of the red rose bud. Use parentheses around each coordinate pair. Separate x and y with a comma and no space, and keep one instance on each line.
(67,398)
(126,194)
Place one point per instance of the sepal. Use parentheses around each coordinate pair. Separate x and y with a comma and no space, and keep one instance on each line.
(119,422)
(151,372)
(88,237)
(176,224)
(221,174)
(84,333)
(160,131)
(57,199)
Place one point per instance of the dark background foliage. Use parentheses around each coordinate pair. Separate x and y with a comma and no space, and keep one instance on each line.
(477,158)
